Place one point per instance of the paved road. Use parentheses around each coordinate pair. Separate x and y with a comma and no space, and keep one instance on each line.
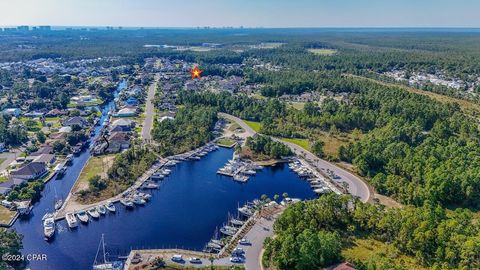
(149,111)
(9,158)
(356,186)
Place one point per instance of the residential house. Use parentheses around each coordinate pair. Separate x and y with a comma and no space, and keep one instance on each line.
(126,112)
(35,114)
(118,141)
(48,159)
(123,123)
(55,113)
(46,149)
(66,129)
(31,171)
(76,120)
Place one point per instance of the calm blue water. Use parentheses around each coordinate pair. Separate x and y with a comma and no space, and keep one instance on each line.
(183,213)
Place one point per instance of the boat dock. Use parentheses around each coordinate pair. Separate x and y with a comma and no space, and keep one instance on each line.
(157,172)
(258,227)
(240,170)
(60,214)
(319,181)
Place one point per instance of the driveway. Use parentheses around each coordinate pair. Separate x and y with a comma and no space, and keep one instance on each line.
(9,158)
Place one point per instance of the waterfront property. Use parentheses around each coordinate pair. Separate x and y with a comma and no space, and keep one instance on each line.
(166,220)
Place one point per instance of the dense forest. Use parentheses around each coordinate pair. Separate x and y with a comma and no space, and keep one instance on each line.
(191,128)
(416,149)
(311,235)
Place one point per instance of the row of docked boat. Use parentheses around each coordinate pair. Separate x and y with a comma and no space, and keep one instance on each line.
(240,170)
(85,215)
(231,227)
(317,183)
(129,200)
(196,154)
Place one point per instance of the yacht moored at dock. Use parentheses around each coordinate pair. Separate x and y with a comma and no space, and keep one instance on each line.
(127,203)
(48,228)
(93,213)
(110,207)
(101,209)
(82,216)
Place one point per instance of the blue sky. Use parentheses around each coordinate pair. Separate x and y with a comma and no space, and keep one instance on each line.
(248,13)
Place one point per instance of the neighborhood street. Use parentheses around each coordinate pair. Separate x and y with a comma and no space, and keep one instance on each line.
(149,111)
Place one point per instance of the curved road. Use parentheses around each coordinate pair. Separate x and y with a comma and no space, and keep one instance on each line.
(356,186)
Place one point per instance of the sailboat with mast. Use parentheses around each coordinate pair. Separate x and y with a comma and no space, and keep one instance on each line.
(105,265)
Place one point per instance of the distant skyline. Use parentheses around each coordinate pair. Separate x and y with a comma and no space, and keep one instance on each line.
(247,13)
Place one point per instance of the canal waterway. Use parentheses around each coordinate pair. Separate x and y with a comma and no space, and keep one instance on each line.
(184,212)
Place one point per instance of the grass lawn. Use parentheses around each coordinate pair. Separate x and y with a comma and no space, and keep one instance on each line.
(234,126)
(326,52)
(2,160)
(304,143)
(95,166)
(226,142)
(3,178)
(86,104)
(364,249)
(33,128)
(254,125)
(297,105)
(54,121)
(5,215)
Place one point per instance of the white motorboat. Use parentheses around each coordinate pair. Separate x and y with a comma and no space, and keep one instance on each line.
(240,178)
(236,222)
(245,211)
(47,215)
(218,242)
(213,245)
(83,216)
(145,196)
(149,185)
(71,220)
(157,176)
(127,203)
(48,228)
(110,206)
(138,200)
(93,213)
(101,209)
(58,204)
(249,172)
(225,230)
